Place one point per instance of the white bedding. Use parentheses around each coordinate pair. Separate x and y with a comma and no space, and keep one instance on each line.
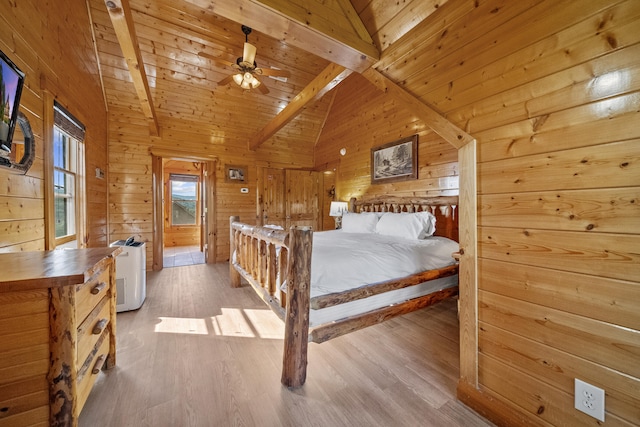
(342,261)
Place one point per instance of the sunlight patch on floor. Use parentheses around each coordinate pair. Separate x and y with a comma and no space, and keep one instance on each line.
(249,323)
(182,325)
(233,322)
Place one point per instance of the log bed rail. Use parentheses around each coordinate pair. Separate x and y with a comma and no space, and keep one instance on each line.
(266,257)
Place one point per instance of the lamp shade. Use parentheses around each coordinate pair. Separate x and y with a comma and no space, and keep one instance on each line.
(338,208)
(249,53)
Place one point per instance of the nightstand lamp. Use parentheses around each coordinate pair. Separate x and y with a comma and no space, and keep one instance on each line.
(336,210)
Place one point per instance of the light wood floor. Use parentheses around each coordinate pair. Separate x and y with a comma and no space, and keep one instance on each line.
(199,353)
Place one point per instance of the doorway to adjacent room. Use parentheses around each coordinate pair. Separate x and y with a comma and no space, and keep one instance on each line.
(184,209)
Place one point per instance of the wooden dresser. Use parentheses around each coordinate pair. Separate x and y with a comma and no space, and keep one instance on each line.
(57,331)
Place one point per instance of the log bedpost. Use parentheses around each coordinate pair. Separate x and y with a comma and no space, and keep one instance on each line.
(296,332)
(234,276)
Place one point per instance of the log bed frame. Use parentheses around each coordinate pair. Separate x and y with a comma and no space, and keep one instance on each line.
(264,267)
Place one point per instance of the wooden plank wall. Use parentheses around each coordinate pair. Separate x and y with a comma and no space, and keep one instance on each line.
(52,43)
(559,185)
(24,357)
(551,91)
(362,117)
(130,196)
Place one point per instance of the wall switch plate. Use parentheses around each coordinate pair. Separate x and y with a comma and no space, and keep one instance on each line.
(589,399)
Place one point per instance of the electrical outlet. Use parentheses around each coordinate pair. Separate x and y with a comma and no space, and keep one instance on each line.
(589,399)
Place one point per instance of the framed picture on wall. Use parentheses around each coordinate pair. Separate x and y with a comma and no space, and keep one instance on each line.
(395,161)
(235,174)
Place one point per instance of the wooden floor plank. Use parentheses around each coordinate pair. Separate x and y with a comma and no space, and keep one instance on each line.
(199,353)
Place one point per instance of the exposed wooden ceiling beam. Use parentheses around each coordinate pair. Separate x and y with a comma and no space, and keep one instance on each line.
(329,78)
(440,125)
(308,25)
(120,13)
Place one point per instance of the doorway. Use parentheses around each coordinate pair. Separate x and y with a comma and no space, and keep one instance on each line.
(184,209)
(183,213)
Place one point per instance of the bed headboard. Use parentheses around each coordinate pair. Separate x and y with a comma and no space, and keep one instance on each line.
(445,209)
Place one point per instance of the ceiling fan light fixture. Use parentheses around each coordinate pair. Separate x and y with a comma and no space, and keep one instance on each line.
(254,82)
(238,78)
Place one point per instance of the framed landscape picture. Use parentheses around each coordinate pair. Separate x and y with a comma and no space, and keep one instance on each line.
(395,161)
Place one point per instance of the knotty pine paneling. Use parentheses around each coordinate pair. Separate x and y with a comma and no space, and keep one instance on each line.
(551,92)
(599,298)
(502,345)
(130,184)
(530,394)
(24,357)
(600,210)
(361,118)
(53,43)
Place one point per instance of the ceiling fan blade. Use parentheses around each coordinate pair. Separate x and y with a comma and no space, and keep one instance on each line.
(275,73)
(216,59)
(225,81)
(249,53)
(262,88)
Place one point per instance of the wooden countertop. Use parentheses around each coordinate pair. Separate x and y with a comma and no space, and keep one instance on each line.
(47,269)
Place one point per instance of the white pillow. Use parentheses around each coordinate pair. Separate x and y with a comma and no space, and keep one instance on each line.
(364,222)
(416,225)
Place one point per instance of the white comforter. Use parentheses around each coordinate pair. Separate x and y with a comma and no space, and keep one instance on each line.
(342,261)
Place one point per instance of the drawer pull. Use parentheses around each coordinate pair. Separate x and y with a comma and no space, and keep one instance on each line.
(99,327)
(98,365)
(98,288)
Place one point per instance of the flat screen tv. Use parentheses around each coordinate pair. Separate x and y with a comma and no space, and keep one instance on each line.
(11,81)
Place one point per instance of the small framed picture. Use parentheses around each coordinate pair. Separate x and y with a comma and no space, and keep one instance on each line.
(395,161)
(235,174)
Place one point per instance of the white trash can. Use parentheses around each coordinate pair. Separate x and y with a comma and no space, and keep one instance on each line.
(131,276)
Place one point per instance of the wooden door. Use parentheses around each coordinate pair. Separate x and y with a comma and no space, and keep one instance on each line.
(271,200)
(302,198)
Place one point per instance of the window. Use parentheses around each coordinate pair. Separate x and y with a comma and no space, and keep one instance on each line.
(64,184)
(184,199)
(68,179)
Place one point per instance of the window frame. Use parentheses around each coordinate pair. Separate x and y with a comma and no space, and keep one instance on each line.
(184,177)
(69,170)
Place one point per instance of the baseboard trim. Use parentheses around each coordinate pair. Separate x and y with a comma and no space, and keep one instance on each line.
(493,409)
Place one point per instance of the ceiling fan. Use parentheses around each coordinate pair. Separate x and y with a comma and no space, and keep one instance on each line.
(246,68)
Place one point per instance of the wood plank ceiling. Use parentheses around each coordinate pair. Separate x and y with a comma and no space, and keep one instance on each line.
(173,87)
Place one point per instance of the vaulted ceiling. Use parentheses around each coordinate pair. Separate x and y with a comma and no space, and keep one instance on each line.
(158,59)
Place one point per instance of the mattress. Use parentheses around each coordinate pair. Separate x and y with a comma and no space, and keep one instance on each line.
(342,261)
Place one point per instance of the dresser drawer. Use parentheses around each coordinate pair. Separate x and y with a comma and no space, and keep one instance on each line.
(90,293)
(92,328)
(89,370)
